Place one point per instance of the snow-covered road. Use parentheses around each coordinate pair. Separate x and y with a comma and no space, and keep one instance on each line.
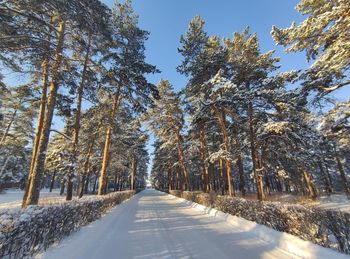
(156,225)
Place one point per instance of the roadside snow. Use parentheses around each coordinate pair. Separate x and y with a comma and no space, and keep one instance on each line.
(156,225)
(12,198)
(333,202)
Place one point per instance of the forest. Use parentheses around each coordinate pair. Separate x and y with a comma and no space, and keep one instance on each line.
(240,126)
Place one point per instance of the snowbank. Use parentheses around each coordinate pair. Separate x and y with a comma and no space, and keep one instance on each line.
(26,232)
(328,228)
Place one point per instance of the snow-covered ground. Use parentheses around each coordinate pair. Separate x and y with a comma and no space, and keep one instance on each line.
(157,225)
(333,202)
(12,198)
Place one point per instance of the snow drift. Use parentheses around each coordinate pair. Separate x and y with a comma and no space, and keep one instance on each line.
(328,228)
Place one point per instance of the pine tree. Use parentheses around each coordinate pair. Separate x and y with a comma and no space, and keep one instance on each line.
(323,36)
(125,75)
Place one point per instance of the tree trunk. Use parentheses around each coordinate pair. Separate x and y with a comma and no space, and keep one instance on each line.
(103,176)
(5,134)
(325,179)
(181,159)
(309,185)
(258,179)
(52,181)
(133,172)
(77,124)
(227,149)
(62,187)
(342,175)
(42,108)
(36,174)
(86,167)
(204,154)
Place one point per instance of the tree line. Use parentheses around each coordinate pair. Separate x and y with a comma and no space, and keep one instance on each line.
(241,125)
(85,62)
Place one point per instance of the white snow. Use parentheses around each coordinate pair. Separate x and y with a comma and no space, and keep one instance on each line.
(12,198)
(156,225)
(333,202)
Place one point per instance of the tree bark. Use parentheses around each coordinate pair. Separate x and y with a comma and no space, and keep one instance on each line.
(42,109)
(52,181)
(227,149)
(309,185)
(38,169)
(181,159)
(77,122)
(103,177)
(204,154)
(6,132)
(133,172)
(258,179)
(325,179)
(342,175)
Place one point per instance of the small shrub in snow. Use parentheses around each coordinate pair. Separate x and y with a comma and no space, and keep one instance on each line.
(26,232)
(328,228)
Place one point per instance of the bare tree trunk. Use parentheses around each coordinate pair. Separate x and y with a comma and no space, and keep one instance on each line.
(204,154)
(62,186)
(52,181)
(258,179)
(181,159)
(342,175)
(42,108)
(6,132)
(95,182)
(103,176)
(325,179)
(77,124)
(36,175)
(3,168)
(133,172)
(86,167)
(309,185)
(227,149)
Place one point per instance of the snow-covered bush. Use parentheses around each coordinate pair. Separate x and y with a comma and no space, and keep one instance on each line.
(328,228)
(26,232)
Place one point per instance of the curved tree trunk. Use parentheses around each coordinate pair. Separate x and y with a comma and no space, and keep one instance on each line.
(38,169)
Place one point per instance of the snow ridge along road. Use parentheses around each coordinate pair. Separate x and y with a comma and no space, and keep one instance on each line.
(157,225)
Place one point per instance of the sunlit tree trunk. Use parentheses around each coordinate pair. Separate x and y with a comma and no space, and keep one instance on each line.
(309,185)
(36,175)
(103,176)
(42,109)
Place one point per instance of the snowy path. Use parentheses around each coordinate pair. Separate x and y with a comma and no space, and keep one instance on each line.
(156,225)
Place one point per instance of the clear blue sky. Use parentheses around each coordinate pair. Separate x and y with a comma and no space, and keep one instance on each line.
(167,20)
